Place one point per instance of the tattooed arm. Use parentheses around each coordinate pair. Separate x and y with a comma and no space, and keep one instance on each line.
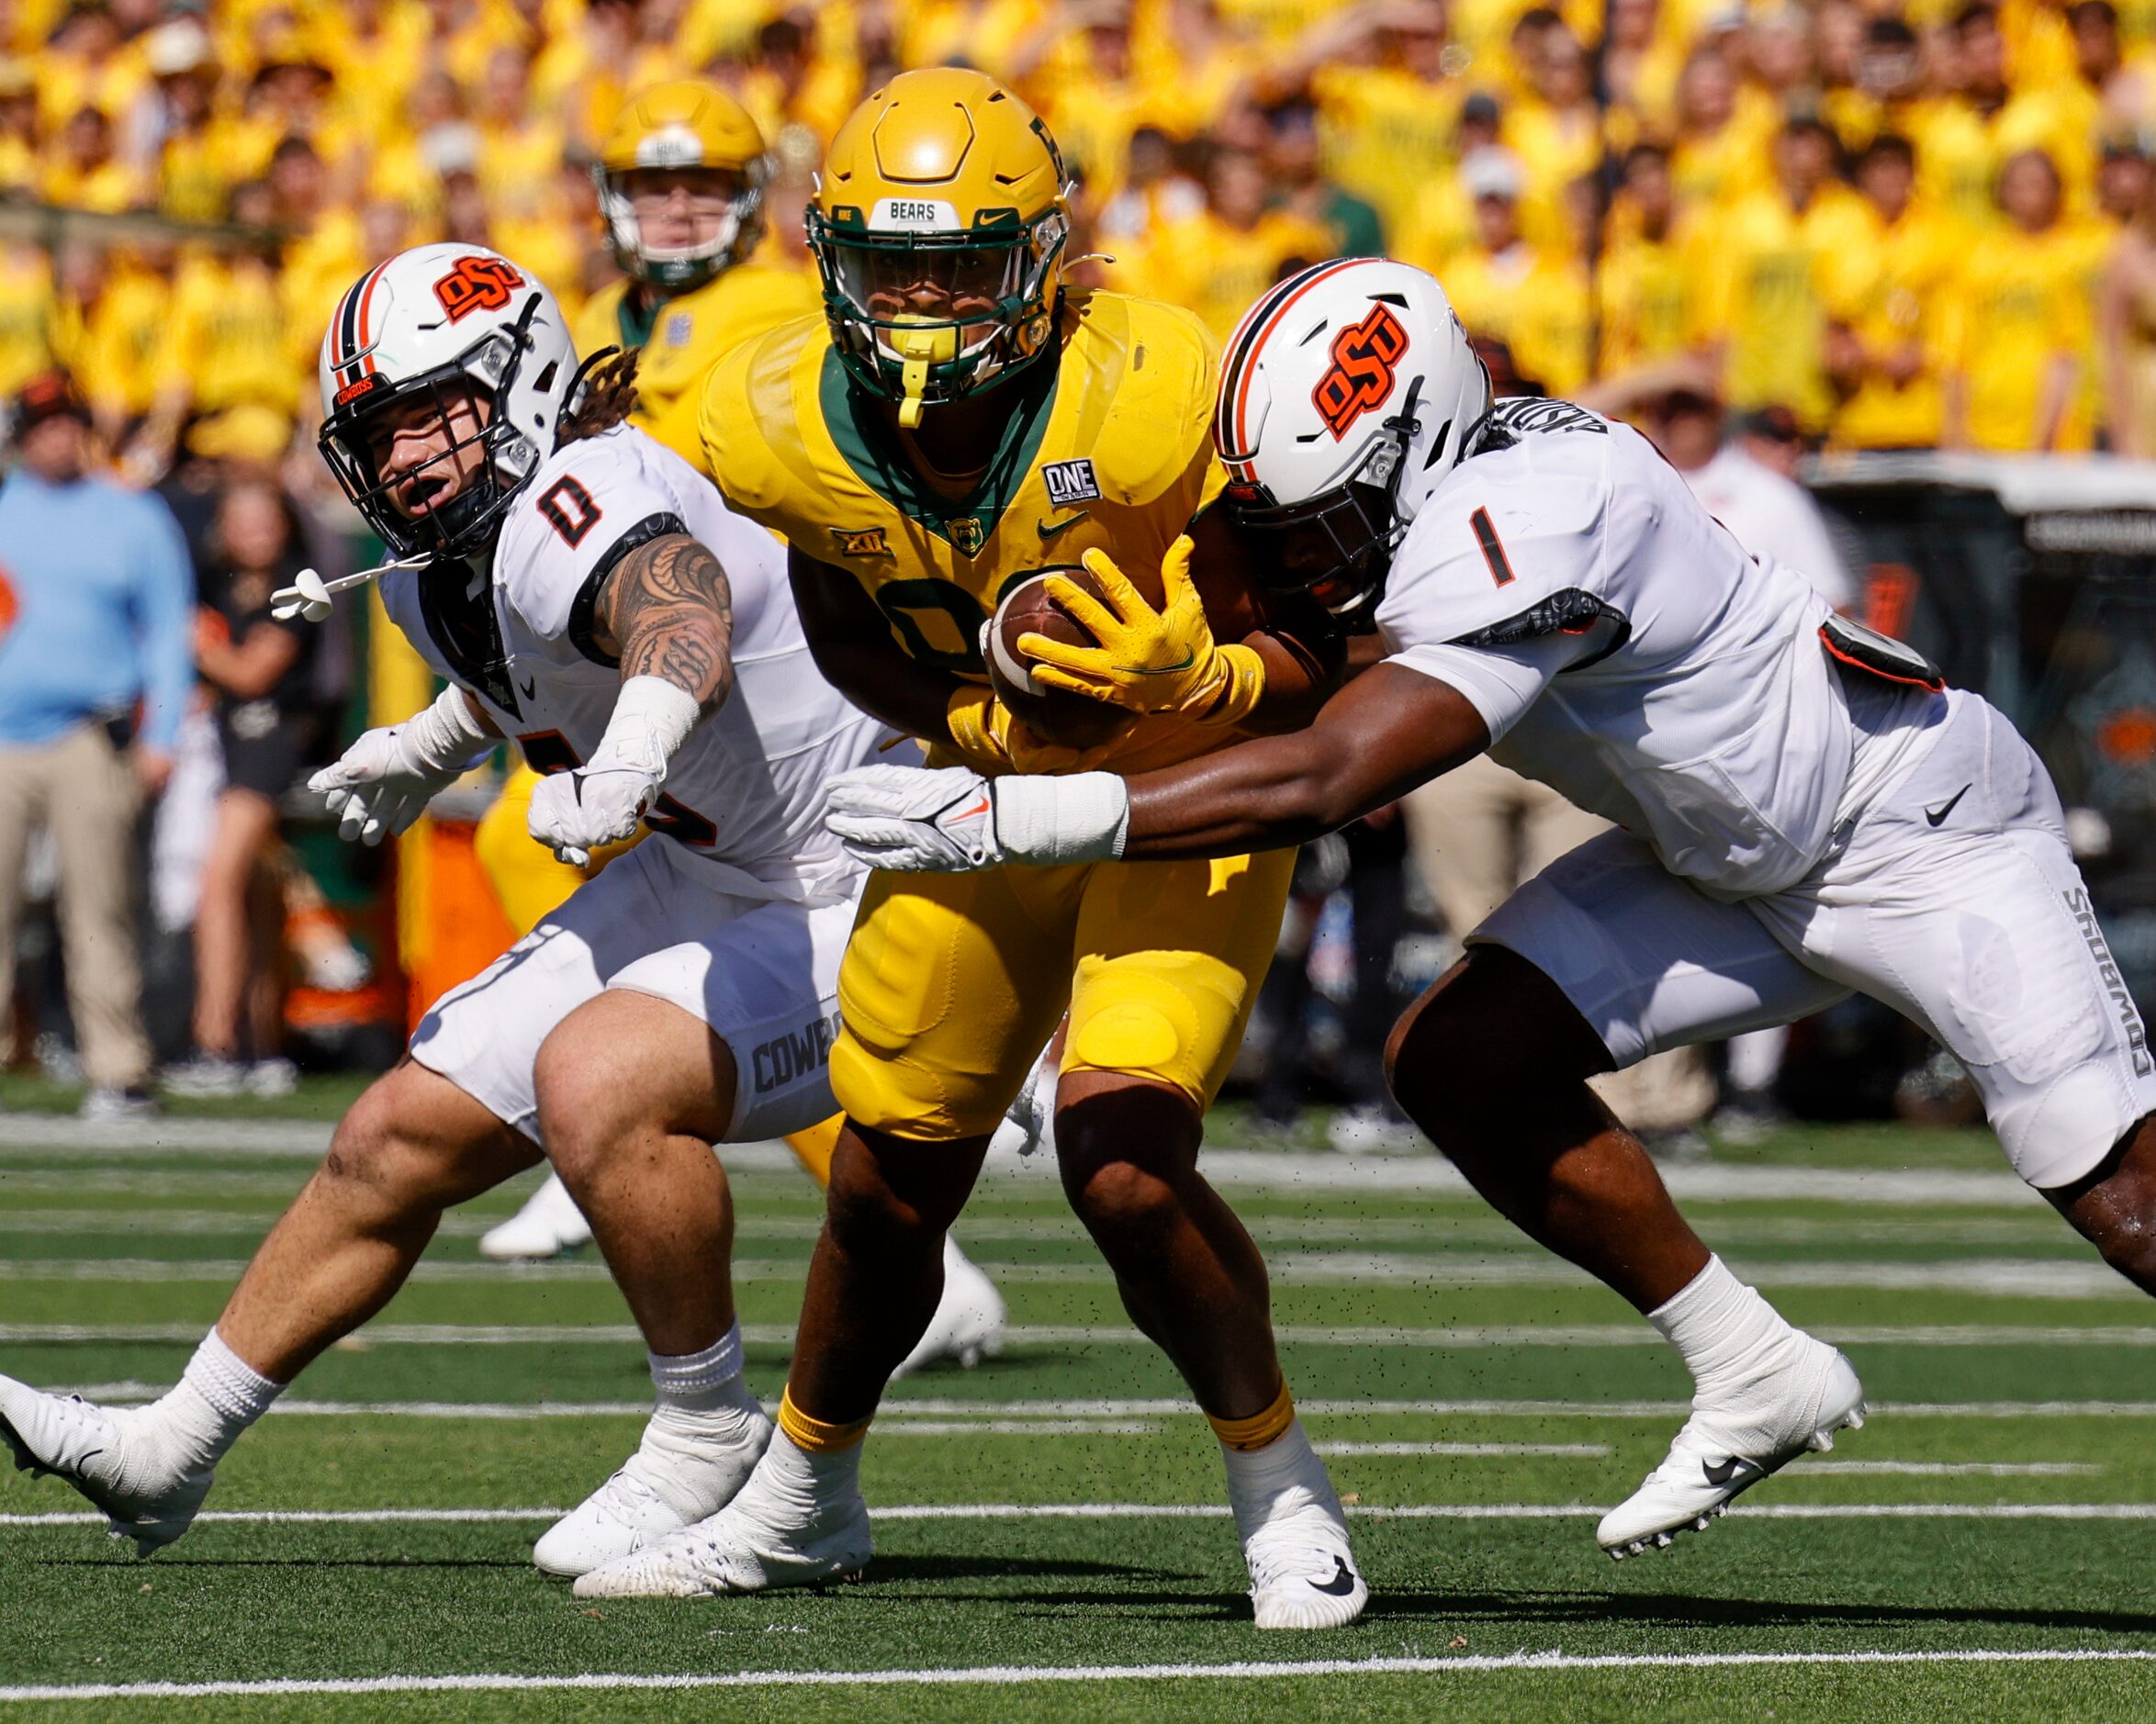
(667,612)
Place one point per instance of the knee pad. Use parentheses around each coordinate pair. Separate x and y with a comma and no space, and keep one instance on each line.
(1168,1015)
(906,1098)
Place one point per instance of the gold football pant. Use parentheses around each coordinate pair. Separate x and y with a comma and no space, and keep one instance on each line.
(953,982)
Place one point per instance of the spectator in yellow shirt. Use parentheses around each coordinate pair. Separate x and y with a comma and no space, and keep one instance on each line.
(1715,160)
(1764,262)
(1386,78)
(1642,284)
(2019,327)
(195,176)
(1532,299)
(1882,351)
(110,335)
(1964,136)
(19,126)
(1442,224)
(26,316)
(1223,258)
(84,173)
(1291,157)
(1155,194)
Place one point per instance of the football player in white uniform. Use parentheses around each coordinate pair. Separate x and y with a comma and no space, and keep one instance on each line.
(582,589)
(1804,811)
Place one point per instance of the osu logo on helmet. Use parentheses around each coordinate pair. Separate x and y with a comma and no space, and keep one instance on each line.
(477,283)
(1361,376)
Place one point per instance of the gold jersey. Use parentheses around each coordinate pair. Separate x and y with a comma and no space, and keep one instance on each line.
(692,329)
(1110,447)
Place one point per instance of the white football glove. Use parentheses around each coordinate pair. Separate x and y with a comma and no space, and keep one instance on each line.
(599,803)
(954,820)
(574,813)
(914,819)
(384,780)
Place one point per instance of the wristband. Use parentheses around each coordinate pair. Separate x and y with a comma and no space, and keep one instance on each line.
(447,738)
(652,718)
(1080,817)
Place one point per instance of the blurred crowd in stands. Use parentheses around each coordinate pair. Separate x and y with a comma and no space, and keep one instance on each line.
(1909,222)
(1842,225)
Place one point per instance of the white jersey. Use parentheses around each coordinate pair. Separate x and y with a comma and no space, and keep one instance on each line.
(1675,685)
(744,792)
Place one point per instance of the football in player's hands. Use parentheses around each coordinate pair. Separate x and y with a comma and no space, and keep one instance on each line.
(1053,714)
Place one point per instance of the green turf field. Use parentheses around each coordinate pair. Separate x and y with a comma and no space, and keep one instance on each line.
(1051,1541)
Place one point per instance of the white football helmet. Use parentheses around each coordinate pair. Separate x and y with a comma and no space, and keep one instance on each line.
(1347,393)
(434,322)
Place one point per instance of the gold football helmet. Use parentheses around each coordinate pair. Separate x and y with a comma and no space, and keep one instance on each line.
(683,123)
(939,226)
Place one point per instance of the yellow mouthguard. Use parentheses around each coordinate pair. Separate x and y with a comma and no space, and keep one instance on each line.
(918,349)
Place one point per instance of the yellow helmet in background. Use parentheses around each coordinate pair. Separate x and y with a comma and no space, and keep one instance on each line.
(939,226)
(682,123)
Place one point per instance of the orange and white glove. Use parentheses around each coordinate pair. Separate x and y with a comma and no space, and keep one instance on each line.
(1148,660)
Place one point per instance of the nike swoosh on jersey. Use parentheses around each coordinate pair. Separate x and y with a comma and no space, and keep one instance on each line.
(1343,1582)
(1048,528)
(1933,816)
(530,687)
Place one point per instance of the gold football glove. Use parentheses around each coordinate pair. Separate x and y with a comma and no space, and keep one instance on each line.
(994,741)
(1147,660)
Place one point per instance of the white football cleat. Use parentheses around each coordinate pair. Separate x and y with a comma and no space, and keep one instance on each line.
(109,1458)
(968,1323)
(1707,1467)
(678,1476)
(549,1223)
(752,1544)
(1295,1541)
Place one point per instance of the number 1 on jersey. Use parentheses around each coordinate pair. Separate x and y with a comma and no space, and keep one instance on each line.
(1493,550)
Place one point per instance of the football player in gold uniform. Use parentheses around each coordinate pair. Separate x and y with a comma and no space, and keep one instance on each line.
(957,423)
(680,182)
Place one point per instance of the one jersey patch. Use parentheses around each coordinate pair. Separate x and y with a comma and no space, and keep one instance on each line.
(1070,482)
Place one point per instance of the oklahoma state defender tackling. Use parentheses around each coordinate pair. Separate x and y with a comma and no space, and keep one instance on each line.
(955,424)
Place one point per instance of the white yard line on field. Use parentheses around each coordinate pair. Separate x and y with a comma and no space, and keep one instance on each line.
(1171,1511)
(1950,1468)
(1004,1676)
(1241,1169)
(1991,1277)
(1593,1451)
(900,1409)
(1466,1337)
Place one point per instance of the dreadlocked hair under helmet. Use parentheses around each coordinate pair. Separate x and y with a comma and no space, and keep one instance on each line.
(607,385)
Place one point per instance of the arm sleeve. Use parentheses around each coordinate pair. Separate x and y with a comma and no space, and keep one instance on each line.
(165,618)
(1501,683)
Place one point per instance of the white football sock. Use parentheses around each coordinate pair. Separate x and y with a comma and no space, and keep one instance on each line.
(217,1397)
(703,1382)
(1259,1479)
(1724,1330)
(800,1484)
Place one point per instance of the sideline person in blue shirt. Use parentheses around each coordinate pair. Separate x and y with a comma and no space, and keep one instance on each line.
(97,602)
